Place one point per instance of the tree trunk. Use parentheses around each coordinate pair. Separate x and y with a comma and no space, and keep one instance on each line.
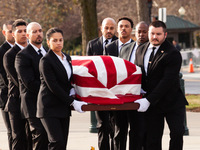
(143,10)
(88,22)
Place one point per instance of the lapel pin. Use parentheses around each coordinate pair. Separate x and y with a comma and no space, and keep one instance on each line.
(162,51)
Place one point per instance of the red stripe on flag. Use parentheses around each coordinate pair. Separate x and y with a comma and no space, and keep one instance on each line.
(111,71)
(87,82)
(130,67)
(87,63)
(133,79)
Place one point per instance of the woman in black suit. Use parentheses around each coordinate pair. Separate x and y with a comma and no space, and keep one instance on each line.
(54,100)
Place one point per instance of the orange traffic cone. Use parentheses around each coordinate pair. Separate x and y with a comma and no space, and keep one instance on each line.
(191,69)
(92,148)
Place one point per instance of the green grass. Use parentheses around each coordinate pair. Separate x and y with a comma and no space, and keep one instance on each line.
(194,102)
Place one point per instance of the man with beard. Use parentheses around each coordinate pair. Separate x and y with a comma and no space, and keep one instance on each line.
(104,118)
(124,29)
(10,41)
(96,46)
(27,67)
(160,63)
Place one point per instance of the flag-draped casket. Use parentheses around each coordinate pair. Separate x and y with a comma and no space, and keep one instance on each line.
(106,79)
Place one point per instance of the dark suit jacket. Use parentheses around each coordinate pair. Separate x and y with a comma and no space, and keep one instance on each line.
(127,50)
(27,67)
(3,78)
(53,97)
(162,82)
(13,103)
(112,48)
(95,47)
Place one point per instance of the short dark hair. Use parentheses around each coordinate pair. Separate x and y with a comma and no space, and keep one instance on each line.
(18,22)
(126,18)
(51,31)
(10,22)
(159,23)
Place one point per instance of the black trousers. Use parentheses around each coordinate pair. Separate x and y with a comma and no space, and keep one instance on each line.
(57,131)
(155,127)
(8,127)
(19,132)
(39,136)
(136,121)
(105,126)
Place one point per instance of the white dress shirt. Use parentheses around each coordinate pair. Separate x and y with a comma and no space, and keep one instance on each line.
(10,44)
(120,44)
(41,48)
(21,47)
(147,55)
(65,64)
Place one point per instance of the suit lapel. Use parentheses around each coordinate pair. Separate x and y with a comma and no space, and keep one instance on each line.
(131,51)
(100,44)
(143,54)
(7,46)
(156,58)
(117,47)
(58,63)
(16,48)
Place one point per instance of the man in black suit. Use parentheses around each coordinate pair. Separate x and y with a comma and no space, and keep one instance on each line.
(27,68)
(136,119)
(96,46)
(124,29)
(104,118)
(160,62)
(13,103)
(10,41)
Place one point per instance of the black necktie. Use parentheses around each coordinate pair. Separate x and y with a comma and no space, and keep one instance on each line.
(40,54)
(106,42)
(104,51)
(151,57)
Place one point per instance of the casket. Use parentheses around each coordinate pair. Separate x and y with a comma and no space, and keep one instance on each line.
(106,80)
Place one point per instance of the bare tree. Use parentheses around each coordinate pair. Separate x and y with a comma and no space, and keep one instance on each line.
(88,21)
(142,10)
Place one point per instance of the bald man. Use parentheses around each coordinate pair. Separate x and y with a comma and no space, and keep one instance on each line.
(27,67)
(108,30)
(104,118)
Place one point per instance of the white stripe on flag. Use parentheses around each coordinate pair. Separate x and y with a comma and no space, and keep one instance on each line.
(81,71)
(96,92)
(120,69)
(126,89)
(138,70)
(101,70)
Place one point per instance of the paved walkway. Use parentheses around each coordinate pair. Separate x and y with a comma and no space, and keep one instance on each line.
(81,139)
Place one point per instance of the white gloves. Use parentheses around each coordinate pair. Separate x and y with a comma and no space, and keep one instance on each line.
(77,105)
(144,104)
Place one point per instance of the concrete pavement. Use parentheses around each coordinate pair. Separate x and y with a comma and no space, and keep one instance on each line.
(81,139)
(192,80)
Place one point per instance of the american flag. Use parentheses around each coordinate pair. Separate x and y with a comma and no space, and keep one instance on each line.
(106,79)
